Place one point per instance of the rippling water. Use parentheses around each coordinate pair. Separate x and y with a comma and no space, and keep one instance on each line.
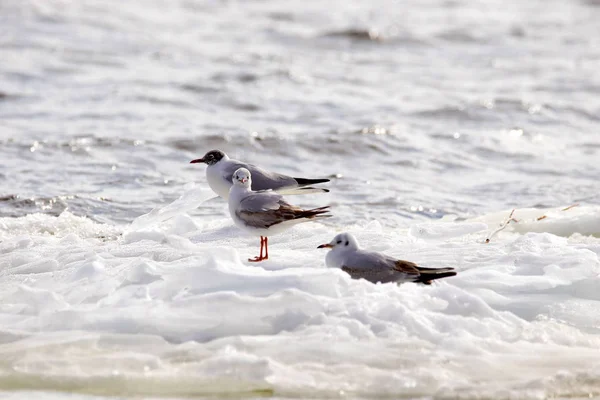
(444,106)
(416,109)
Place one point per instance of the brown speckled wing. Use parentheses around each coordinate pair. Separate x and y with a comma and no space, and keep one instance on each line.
(406,267)
(267,218)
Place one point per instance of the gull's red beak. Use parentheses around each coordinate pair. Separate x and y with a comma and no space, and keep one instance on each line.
(198,160)
(325,246)
(244,180)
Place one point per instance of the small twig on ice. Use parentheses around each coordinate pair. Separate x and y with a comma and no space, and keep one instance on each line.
(571,206)
(503,225)
(511,219)
(564,209)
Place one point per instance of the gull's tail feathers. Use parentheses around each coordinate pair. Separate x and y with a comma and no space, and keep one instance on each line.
(314,213)
(430,274)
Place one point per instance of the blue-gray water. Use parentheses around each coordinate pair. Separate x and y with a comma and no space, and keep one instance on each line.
(455,107)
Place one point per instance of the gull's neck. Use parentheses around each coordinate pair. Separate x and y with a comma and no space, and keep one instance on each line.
(219,164)
(223,160)
(239,190)
(236,194)
(346,250)
(335,259)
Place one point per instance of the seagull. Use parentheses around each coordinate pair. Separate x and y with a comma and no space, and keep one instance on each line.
(376,267)
(264,213)
(220,169)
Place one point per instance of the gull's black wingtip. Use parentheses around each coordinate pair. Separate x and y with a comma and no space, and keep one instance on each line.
(305,182)
(427,277)
(309,189)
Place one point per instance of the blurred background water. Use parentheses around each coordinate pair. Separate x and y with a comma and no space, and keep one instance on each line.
(421,108)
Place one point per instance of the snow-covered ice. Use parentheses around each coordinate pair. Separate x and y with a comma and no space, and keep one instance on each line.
(169,308)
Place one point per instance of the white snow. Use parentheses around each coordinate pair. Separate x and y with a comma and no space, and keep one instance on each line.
(169,305)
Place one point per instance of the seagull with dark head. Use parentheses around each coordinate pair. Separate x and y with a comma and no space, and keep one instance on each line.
(220,169)
(264,213)
(376,267)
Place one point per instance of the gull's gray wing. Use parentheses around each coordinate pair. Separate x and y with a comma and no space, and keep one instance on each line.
(376,267)
(261,178)
(265,209)
(260,202)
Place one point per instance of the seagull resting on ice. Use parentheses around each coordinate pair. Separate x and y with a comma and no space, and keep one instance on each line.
(376,267)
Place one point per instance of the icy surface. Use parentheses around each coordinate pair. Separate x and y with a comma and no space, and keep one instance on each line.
(175,310)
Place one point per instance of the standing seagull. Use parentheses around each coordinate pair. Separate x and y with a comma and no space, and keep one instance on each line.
(376,267)
(220,169)
(264,213)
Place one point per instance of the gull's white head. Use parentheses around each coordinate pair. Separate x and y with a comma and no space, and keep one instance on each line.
(341,242)
(242,177)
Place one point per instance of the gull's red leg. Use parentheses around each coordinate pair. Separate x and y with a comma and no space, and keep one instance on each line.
(260,257)
(266,248)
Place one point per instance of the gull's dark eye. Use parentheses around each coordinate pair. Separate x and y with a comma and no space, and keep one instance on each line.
(339,241)
(347,243)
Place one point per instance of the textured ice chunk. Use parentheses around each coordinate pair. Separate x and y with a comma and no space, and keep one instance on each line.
(173,309)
